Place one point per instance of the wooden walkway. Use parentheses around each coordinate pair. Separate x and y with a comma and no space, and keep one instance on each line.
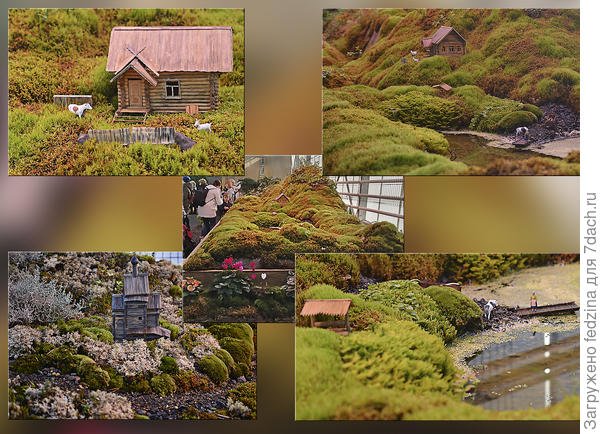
(549,309)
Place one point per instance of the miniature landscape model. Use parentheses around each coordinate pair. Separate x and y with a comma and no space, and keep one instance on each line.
(126,91)
(101,336)
(258,238)
(437,337)
(446,92)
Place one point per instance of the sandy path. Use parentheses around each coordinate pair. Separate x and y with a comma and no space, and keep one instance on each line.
(556,148)
(552,284)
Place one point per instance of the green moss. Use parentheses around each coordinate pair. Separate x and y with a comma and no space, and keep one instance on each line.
(462,312)
(234,330)
(246,394)
(341,271)
(408,299)
(232,367)
(168,365)
(63,359)
(516,119)
(191,380)
(382,237)
(175,291)
(93,375)
(241,350)
(137,384)
(163,384)
(174,329)
(192,337)
(192,413)
(117,381)
(214,368)
(28,364)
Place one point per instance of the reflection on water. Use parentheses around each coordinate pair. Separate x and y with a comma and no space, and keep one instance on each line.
(534,370)
(472,150)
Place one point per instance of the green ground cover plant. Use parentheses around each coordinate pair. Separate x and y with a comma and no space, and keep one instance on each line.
(516,61)
(43,44)
(311,218)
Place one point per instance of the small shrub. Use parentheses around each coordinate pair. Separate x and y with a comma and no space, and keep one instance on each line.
(214,368)
(137,384)
(32,301)
(163,384)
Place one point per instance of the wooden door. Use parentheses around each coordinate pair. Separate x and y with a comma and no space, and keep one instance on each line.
(136,93)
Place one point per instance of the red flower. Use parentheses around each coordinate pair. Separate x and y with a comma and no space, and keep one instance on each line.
(228,261)
(224,266)
(252,265)
(238,265)
(253,276)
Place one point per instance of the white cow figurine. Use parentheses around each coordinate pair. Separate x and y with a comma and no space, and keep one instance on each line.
(489,307)
(522,132)
(79,109)
(203,127)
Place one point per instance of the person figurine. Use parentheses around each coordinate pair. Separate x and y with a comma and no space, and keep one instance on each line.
(533,301)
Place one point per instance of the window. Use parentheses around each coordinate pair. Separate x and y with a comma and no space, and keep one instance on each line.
(172,87)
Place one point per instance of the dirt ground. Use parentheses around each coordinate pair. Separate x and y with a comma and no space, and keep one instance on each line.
(552,284)
(558,148)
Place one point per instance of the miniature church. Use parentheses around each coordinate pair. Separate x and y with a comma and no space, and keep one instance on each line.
(135,313)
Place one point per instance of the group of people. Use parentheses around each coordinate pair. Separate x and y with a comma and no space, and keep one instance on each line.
(209,202)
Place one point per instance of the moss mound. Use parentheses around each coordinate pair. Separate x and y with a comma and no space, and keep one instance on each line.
(163,384)
(409,300)
(214,368)
(168,365)
(92,374)
(314,219)
(462,312)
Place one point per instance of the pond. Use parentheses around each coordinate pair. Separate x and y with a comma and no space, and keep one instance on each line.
(474,151)
(534,370)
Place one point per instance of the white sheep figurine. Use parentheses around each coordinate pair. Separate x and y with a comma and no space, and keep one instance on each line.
(79,109)
(203,127)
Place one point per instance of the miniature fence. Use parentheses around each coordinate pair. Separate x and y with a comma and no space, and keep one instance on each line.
(156,135)
(65,100)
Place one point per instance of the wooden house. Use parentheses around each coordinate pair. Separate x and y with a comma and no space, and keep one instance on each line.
(135,313)
(446,41)
(168,69)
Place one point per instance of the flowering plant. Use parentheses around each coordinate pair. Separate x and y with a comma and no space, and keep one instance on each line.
(232,280)
(190,284)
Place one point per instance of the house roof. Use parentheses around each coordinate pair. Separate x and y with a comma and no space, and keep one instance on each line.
(137,66)
(338,306)
(173,49)
(443,86)
(439,35)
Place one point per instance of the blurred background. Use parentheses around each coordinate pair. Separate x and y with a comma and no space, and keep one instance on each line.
(283,116)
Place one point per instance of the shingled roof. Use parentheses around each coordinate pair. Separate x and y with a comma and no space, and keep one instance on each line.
(172,49)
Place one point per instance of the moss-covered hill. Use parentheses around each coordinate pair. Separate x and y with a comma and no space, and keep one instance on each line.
(310,217)
(63,51)
(527,55)
(65,364)
(379,106)
(395,363)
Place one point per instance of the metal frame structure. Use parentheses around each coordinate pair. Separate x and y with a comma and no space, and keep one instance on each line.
(373,198)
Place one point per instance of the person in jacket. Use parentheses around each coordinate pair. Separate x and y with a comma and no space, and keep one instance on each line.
(207,208)
(187,193)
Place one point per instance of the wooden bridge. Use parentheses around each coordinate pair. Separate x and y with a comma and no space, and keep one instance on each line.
(549,309)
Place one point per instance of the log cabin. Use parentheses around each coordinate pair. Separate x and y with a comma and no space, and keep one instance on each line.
(446,41)
(168,69)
